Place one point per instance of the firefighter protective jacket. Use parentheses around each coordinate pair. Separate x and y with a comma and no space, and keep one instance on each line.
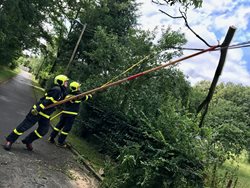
(55,94)
(72,107)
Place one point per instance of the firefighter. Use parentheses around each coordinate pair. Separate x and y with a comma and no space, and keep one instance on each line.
(39,114)
(69,113)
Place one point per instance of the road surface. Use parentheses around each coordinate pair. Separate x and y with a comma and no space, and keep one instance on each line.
(46,166)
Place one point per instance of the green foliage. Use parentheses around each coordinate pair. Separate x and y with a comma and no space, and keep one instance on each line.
(114,17)
(31,62)
(89,152)
(228,116)
(169,153)
(226,124)
(23,25)
(185,3)
(6,73)
(165,150)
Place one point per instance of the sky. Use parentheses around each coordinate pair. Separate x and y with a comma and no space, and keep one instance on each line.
(211,22)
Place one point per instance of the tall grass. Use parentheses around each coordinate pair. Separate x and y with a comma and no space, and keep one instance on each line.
(6,73)
(243,171)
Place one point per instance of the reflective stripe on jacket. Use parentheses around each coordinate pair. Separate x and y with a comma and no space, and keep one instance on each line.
(72,107)
(55,94)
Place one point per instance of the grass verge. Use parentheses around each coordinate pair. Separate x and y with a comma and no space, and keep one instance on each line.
(243,172)
(88,151)
(38,92)
(6,73)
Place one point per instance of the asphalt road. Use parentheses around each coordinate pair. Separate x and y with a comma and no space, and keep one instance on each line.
(46,166)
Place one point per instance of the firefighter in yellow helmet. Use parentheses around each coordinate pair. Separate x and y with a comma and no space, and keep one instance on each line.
(39,114)
(69,113)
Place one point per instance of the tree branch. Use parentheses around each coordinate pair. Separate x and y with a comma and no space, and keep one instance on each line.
(157,2)
(174,17)
(183,16)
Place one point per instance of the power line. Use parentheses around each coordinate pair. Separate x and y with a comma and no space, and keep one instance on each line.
(242,46)
(131,77)
(234,46)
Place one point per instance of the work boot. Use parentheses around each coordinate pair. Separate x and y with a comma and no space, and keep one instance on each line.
(62,145)
(28,145)
(51,140)
(7,145)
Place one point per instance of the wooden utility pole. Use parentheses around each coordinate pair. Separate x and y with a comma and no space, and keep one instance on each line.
(224,48)
(59,49)
(75,49)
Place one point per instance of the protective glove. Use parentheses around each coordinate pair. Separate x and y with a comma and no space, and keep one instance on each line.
(34,112)
(89,96)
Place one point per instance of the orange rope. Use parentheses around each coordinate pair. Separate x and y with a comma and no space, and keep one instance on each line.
(131,77)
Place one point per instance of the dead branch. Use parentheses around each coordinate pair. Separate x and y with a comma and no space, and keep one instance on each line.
(183,16)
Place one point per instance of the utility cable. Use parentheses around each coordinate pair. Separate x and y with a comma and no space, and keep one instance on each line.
(234,46)
(131,77)
(127,70)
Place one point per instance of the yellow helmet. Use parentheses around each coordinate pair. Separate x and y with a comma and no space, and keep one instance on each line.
(60,79)
(74,86)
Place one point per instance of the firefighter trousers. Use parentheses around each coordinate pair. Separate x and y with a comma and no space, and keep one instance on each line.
(64,127)
(27,123)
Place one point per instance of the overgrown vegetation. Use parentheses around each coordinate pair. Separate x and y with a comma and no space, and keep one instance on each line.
(6,73)
(149,126)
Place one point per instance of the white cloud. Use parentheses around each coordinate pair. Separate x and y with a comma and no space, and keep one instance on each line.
(235,73)
(218,5)
(200,67)
(204,67)
(211,22)
(239,19)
